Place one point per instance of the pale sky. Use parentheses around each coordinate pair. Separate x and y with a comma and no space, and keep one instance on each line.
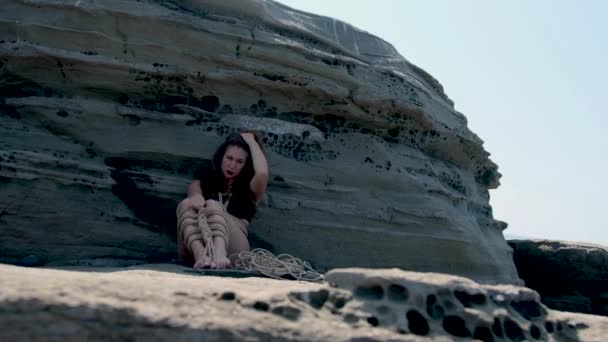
(531,77)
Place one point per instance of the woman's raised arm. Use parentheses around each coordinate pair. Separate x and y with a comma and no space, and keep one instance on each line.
(260,165)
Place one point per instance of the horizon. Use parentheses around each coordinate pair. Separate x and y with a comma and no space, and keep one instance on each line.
(528,77)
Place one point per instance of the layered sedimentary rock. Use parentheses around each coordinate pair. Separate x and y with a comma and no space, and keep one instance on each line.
(168,302)
(569,276)
(107,108)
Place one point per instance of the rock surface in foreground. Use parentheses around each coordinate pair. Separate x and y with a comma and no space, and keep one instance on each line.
(168,302)
(569,276)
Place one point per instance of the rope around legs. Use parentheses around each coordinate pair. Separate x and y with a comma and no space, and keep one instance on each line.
(211,224)
(187,225)
(277,267)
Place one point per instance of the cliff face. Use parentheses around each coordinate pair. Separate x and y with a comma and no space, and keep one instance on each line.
(107,108)
(569,276)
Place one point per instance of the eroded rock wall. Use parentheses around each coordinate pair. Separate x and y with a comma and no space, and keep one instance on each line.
(107,108)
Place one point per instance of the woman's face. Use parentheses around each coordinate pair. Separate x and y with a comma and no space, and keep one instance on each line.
(233,162)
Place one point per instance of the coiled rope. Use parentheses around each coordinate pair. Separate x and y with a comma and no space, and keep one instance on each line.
(282,266)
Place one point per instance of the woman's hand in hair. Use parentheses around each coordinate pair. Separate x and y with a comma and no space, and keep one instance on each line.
(249,138)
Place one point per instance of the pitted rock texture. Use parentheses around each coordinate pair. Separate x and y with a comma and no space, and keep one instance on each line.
(569,276)
(168,302)
(439,305)
(108,107)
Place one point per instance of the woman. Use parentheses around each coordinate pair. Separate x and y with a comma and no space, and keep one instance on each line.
(227,194)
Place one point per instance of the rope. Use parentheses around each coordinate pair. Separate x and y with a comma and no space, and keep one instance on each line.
(205,225)
(206,235)
(188,222)
(212,223)
(282,266)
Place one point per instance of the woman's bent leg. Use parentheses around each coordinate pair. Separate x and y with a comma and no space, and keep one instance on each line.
(237,237)
(217,221)
(187,234)
(183,255)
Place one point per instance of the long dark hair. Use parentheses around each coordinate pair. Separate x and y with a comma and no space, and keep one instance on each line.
(244,178)
(214,179)
(242,202)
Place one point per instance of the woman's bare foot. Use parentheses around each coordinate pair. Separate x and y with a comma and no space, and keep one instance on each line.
(199,264)
(199,256)
(221,263)
(220,260)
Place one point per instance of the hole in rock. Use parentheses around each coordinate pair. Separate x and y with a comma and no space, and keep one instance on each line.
(288,312)
(497,328)
(253,108)
(549,326)
(448,304)
(397,293)
(228,296)
(261,306)
(528,309)
(512,330)
(484,334)
(374,292)
(535,332)
(350,318)
(393,132)
(210,103)
(152,212)
(435,311)
(339,302)
(318,298)
(467,299)
(261,104)
(417,323)
(456,326)
(373,321)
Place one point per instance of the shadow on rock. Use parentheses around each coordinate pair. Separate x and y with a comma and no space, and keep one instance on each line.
(61,322)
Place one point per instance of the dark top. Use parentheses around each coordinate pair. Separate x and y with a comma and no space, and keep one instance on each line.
(241,204)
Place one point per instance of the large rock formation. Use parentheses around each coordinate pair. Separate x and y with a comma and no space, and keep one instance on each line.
(168,302)
(108,107)
(569,276)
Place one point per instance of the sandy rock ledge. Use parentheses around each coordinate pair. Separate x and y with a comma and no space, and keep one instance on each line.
(162,302)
